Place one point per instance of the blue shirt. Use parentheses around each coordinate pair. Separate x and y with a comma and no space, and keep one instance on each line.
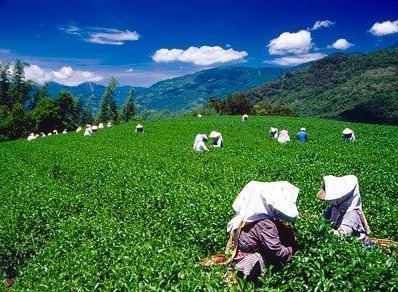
(302,136)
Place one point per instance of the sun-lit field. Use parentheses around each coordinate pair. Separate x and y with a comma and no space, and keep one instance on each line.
(118,210)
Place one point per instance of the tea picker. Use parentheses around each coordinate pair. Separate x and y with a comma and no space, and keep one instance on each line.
(283,137)
(139,129)
(199,143)
(302,135)
(218,141)
(345,211)
(348,134)
(273,132)
(245,117)
(258,237)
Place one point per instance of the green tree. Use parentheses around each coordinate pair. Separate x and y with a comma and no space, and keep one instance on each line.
(19,88)
(214,103)
(67,110)
(129,107)
(87,113)
(46,116)
(237,104)
(14,123)
(40,93)
(4,84)
(108,110)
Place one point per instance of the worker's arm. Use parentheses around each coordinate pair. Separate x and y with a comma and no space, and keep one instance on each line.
(271,243)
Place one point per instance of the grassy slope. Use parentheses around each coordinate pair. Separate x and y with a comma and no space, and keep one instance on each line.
(117,209)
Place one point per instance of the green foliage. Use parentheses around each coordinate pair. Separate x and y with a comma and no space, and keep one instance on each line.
(264,108)
(4,84)
(87,113)
(68,112)
(237,103)
(108,109)
(14,122)
(86,213)
(338,86)
(19,88)
(46,117)
(129,108)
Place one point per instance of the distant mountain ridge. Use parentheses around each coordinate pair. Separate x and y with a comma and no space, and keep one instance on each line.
(358,87)
(181,93)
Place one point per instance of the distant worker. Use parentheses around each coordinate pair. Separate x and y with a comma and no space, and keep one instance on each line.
(283,137)
(139,129)
(109,124)
(245,117)
(100,126)
(31,137)
(199,143)
(218,141)
(302,136)
(273,132)
(87,132)
(345,211)
(348,134)
(64,131)
(258,237)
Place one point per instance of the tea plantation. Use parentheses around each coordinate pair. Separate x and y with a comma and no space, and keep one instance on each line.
(119,211)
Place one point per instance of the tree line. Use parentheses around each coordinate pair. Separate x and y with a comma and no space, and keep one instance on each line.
(239,104)
(26,108)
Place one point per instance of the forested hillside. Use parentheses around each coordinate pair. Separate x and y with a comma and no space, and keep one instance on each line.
(360,87)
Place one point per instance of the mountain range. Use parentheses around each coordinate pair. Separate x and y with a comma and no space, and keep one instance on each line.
(360,87)
(181,93)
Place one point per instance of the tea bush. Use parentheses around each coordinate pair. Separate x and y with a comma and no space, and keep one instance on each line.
(119,211)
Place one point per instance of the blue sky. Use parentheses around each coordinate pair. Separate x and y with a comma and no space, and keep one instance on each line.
(141,42)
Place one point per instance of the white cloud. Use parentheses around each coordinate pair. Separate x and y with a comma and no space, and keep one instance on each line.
(113,37)
(341,44)
(296,59)
(66,75)
(129,70)
(291,42)
(384,28)
(322,23)
(103,35)
(203,56)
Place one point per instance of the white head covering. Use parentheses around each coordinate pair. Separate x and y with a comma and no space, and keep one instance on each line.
(283,136)
(260,200)
(214,135)
(347,131)
(342,192)
(200,138)
(138,126)
(303,129)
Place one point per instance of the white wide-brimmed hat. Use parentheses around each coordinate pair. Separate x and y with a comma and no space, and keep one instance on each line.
(347,131)
(139,126)
(303,129)
(214,135)
(259,200)
(335,187)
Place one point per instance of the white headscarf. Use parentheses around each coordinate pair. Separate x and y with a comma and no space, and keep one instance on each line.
(214,135)
(342,191)
(343,194)
(260,200)
(283,137)
(198,139)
